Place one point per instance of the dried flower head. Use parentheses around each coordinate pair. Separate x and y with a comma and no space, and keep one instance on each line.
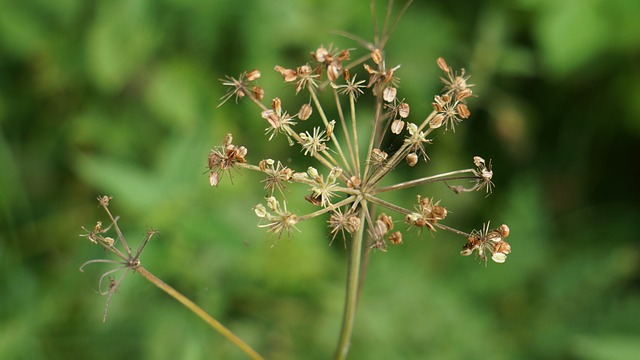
(349,188)
(128,262)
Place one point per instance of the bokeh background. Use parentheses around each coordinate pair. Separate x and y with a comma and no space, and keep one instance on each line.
(119,97)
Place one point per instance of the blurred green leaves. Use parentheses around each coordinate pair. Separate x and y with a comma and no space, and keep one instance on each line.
(120,41)
(120,97)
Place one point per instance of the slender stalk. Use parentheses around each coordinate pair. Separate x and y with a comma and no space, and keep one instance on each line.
(200,312)
(356,145)
(328,208)
(417,182)
(351,300)
(388,205)
(326,124)
(345,129)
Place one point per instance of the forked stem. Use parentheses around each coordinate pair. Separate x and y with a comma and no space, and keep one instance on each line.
(215,324)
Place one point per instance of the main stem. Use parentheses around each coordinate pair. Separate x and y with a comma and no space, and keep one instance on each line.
(351,300)
(215,324)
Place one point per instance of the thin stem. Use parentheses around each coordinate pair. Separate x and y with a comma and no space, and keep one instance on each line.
(374,135)
(351,299)
(345,129)
(425,180)
(114,221)
(447,228)
(326,124)
(356,145)
(400,154)
(332,207)
(99,261)
(388,205)
(200,312)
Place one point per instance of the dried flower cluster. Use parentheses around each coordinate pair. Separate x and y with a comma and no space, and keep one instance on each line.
(349,186)
(128,261)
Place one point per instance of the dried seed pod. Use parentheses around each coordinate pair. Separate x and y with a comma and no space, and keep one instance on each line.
(214,178)
(305,112)
(463,94)
(503,247)
(397,126)
(258,92)
(304,70)
(315,199)
(354,182)
(403,110)
(353,223)
(271,117)
(380,228)
(276,105)
(386,219)
(376,56)
(389,93)
(228,139)
(499,257)
(443,65)
(253,75)
(438,213)
(504,230)
(412,159)
(333,72)
(437,121)
(288,74)
(479,162)
(260,211)
(330,126)
(344,55)
(396,238)
(463,111)
(320,54)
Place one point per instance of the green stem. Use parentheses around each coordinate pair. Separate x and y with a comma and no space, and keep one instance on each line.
(215,324)
(351,300)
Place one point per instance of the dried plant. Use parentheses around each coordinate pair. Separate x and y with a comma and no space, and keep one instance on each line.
(130,261)
(346,164)
(341,182)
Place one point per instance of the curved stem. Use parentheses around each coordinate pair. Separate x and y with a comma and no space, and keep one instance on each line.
(215,324)
(351,300)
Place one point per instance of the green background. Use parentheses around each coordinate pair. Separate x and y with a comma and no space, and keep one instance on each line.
(119,97)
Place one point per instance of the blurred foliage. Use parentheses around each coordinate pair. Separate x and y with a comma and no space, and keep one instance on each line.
(119,97)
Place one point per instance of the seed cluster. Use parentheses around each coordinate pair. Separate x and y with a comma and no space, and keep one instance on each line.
(341,181)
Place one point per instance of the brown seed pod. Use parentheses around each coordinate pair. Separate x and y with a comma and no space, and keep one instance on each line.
(253,75)
(396,238)
(412,159)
